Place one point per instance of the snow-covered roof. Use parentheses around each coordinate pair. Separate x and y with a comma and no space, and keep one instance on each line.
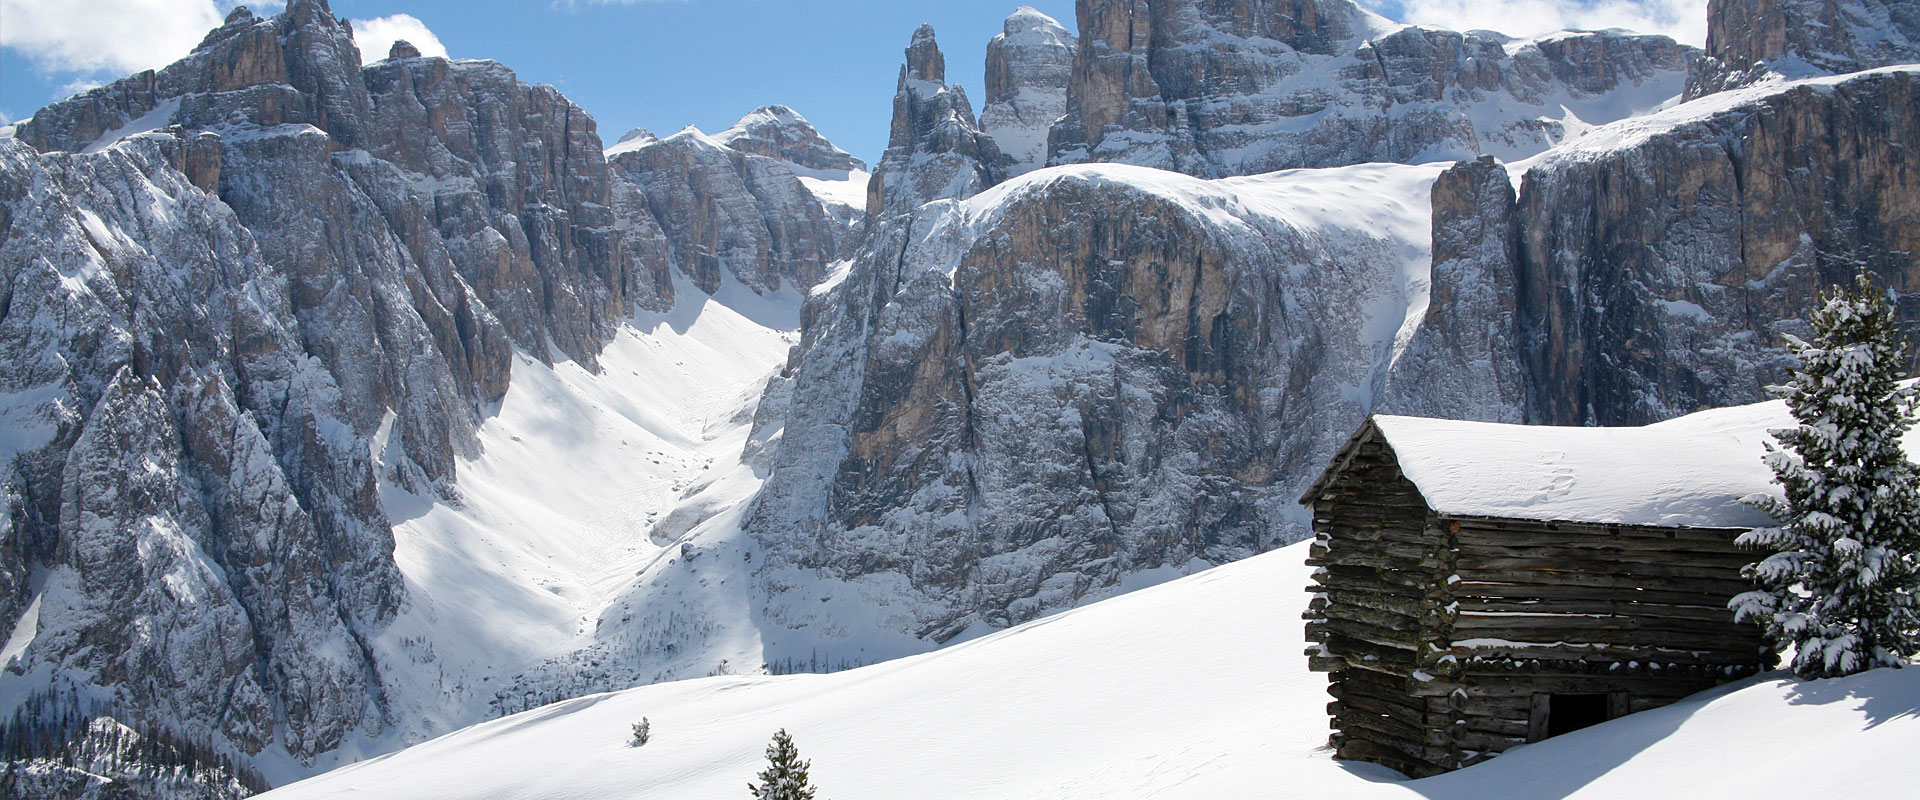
(1691,471)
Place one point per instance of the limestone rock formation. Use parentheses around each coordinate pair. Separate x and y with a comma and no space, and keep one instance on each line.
(935,150)
(1237,88)
(1463,361)
(1029,65)
(1660,266)
(833,176)
(1749,41)
(181,470)
(780,133)
(242,293)
(725,212)
(1077,375)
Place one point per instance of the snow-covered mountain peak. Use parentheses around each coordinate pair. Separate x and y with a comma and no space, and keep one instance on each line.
(1028,25)
(780,132)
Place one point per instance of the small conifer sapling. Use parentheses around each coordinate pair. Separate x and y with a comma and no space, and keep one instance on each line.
(785,777)
(642,731)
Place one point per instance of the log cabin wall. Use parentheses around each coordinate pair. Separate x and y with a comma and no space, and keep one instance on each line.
(1451,639)
(1380,602)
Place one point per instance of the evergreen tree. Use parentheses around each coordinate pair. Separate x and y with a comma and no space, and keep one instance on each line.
(642,731)
(785,777)
(1842,582)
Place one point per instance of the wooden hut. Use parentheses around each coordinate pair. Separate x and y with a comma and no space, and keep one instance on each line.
(1482,585)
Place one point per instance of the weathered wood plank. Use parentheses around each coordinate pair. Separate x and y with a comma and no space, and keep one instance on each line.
(1622,567)
(1495,589)
(1701,585)
(1499,623)
(1720,614)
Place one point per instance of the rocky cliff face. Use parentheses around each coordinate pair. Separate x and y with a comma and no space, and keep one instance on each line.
(1029,65)
(1750,41)
(1463,360)
(1213,89)
(725,212)
(209,327)
(1078,375)
(183,474)
(780,133)
(935,150)
(1660,265)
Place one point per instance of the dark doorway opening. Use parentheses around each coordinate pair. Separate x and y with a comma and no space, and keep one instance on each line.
(1571,712)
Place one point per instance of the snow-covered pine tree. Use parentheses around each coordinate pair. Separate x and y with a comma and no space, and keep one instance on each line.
(642,732)
(785,777)
(1842,582)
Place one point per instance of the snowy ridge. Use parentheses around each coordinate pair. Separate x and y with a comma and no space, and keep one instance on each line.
(1193,689)
(1635,131)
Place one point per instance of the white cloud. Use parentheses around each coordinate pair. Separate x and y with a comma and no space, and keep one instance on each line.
(376,36)
(1684,20)
(75,87)
(115,35)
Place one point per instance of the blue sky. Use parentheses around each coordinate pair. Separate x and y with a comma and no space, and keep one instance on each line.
(665,64)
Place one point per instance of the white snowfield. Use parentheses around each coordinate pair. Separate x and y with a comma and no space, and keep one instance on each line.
(1192,689)
(1687,471)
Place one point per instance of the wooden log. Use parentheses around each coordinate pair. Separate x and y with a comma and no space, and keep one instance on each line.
(1512,727)
(1611,580)
(1474,605)
(1601,659)
(1366,703)
(1494,684)
(1340,550)
(1414,583)
(1385,727)
(1516,591)
(1616,636)
(1685,569)
(1498,524)
(1404,605)
(1387,755)
(1476,535)
(1387,620)
(1480,623)
(1345,533)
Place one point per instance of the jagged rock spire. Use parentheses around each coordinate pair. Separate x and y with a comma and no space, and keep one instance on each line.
(935,150)
(1029,65)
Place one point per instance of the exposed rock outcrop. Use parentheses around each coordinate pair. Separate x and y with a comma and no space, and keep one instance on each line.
(934,148)
(241,293)
(181,468)
(1029,65)
(1463,361)
(834,177)
(725,212)
(1750,41)
(1020,398)
(1660,264)
(780,133)
(1237,88)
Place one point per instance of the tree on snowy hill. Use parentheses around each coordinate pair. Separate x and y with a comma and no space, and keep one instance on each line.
(785,777)
(1842,582)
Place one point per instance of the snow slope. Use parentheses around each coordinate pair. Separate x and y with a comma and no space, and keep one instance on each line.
(572,495)
(1192,689)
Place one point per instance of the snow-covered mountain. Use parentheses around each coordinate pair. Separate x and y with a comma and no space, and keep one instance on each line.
(1243,87)
(350,404)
